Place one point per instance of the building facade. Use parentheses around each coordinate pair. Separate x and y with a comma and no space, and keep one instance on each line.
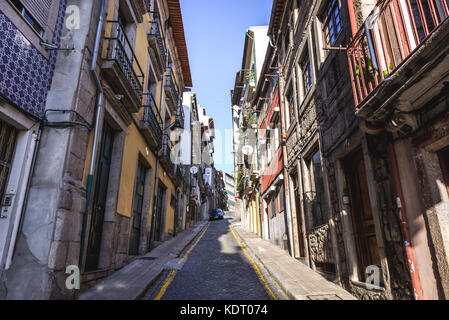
(95,175)
(23,96)
(359,87)
(245,129)
(229,183)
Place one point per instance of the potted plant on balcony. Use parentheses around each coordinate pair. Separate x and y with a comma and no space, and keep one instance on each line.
(253,120)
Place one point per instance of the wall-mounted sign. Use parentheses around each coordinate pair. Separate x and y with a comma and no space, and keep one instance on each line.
(247,150)
(194,170)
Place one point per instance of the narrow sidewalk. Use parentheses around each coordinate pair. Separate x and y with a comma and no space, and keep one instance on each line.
(297,280)
(132,281)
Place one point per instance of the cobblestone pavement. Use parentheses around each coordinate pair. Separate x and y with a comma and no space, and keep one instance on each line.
(216,268)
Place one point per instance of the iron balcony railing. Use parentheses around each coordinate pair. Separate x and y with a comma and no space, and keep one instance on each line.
(171,84)
(120,50)
(156,31)
(166,146)
(394,29)
(179,117)
(151,115)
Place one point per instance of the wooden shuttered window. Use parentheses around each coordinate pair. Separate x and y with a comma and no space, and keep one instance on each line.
(39,9)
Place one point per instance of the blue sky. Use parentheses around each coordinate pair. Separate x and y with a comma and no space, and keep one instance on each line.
(215,35)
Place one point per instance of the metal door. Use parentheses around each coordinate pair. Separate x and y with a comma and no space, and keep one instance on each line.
(8,136)
(99,201)
(134,240)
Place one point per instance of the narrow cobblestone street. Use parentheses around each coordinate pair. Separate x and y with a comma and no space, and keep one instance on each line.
(216,269)
(253,150)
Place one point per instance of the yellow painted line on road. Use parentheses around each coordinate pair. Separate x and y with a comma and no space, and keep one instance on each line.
(166,284)
(173,273)
(261,278)
(190,250)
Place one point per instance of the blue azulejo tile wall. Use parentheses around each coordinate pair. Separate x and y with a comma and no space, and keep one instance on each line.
(25,75)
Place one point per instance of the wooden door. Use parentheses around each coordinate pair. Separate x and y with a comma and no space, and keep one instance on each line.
(159,213)
(298,215)
(136,224)
(361,212)
(99,201)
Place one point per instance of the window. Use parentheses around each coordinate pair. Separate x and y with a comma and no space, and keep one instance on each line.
(33,14)
(281,198)
(269,149)
(273,206)
(332,22)
(306,71)
(8,135)
(291,106)
(286,40)
(276,137)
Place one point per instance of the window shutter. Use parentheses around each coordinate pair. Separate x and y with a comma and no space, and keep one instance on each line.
(39,9)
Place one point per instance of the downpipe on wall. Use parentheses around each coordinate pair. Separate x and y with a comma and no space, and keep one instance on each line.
(98,114)
(404,224)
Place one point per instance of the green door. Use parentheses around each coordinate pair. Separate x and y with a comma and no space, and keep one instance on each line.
(136,224)
(99,201)
(158,217)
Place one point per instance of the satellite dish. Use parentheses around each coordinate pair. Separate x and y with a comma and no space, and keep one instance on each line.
(247,150)
(194,170)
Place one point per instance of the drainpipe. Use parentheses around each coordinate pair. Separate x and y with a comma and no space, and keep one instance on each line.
(32,155)
(99,111)
(352,18)
(404,225)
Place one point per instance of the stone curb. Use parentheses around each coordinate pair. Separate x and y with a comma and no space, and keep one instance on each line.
(290,289)
(259,262)
(155,267)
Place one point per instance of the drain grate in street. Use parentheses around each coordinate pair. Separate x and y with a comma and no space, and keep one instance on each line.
(324,297)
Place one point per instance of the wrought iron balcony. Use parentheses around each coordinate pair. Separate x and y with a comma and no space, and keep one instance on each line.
(167,146)
(152,121)
(121,67)
(167,161)
(390,36)
(172,88)
(156,38)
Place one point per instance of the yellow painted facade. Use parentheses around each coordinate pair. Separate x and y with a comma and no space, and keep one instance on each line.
(135,145)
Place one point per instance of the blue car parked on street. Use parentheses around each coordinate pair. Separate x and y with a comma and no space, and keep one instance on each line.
(216,214)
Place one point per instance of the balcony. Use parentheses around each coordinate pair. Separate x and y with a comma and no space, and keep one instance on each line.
(172,90)
(178,175)
(395,55)
(140,7)
(167,160)
(151,123)
(157,49)
(248,186)
(121,69)
(167,147)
